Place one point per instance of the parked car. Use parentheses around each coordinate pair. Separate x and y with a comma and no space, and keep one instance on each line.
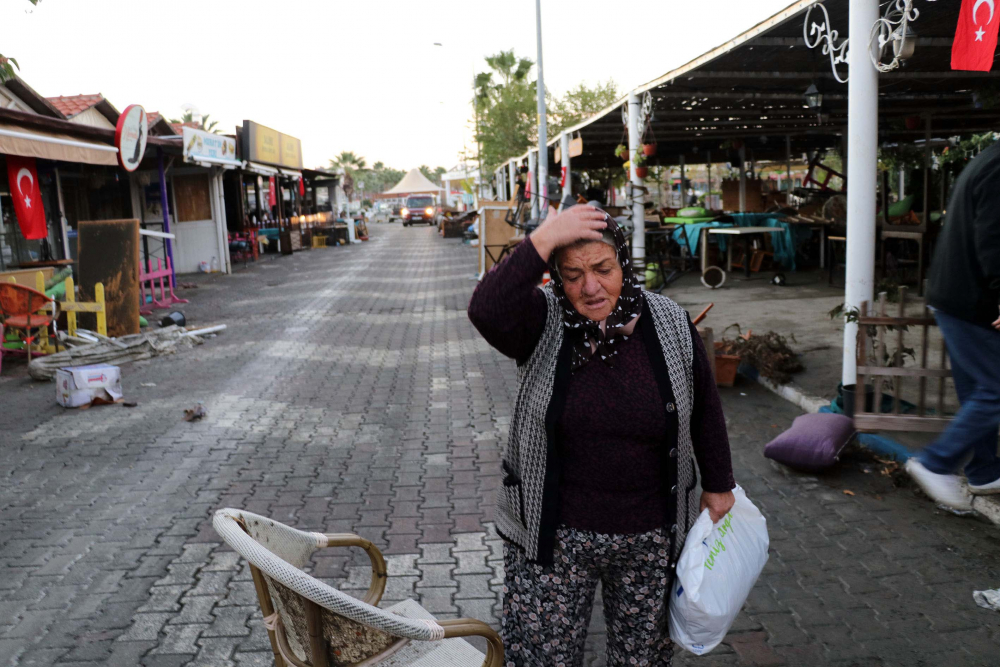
(419,208)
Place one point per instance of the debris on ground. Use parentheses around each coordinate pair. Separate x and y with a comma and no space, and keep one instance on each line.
(113,351)
(83,386)
(195,413)
(769,353)
(130,404)
(987,599)
(848,492)
(188,285)
(147,384)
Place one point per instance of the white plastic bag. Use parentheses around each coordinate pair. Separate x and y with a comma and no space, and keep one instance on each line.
(718,566)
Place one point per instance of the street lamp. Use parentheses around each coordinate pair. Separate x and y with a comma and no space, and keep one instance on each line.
(814,98)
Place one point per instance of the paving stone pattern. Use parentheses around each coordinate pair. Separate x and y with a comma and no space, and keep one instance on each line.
(350,393)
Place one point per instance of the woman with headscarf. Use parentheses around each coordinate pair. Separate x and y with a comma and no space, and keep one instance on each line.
(616,405)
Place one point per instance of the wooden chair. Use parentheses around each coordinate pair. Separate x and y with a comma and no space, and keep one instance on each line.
(71,307)
(311,624)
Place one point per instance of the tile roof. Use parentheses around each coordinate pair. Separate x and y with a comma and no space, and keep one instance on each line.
(71,105)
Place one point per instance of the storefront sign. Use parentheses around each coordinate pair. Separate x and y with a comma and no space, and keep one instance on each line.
(267,146)
(201,144)
(130,137)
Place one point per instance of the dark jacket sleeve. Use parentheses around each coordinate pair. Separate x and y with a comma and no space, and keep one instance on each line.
(507,307)
(708,426)
(986,225)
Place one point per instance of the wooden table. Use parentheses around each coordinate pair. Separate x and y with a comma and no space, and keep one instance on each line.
(746,233)
(47,263)
(820,225)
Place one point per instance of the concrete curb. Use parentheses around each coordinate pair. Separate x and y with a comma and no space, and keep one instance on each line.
(988,506)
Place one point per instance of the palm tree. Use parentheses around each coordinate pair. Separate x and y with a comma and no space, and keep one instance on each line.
(349,162)
(209,126)
(205,123)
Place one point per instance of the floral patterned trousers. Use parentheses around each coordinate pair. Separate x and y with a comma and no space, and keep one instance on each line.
(546,610)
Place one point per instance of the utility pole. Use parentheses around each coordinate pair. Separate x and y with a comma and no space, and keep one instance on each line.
(479,149)
(543,138)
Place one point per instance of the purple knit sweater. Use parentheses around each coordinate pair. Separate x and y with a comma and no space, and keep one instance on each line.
(610,434)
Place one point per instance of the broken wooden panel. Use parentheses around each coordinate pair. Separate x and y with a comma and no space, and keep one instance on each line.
(108,253)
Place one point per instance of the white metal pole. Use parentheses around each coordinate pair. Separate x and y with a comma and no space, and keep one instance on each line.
(543,135)
(512,177)
(902,183)
(63,223)
(862,147)
(788,168)
(638,215)
(743,179)
(708,168)
(533,183)
(567,188)
(684,192)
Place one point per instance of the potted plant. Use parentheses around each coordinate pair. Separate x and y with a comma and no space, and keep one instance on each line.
(621,150)
(649,150)
(641,170)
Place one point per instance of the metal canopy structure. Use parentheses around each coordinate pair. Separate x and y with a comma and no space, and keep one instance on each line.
(753,88)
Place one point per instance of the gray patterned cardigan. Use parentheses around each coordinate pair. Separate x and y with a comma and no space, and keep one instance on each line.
(527,502)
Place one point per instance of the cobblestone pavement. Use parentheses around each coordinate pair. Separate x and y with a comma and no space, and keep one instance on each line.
(350,393)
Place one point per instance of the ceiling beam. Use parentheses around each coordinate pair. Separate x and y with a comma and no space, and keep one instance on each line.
(793,95)
(798,41)
(743,75)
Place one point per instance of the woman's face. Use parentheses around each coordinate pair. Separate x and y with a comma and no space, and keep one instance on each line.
(592,278)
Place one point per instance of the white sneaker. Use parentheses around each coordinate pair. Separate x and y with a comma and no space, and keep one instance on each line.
(985,489)
(945,489)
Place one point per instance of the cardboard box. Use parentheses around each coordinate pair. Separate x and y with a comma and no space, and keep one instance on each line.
(80,386)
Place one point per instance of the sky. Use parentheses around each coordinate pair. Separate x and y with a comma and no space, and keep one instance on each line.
(363,76)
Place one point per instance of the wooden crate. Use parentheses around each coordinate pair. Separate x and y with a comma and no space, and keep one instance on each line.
(27,277)
(731,195)
(494,233)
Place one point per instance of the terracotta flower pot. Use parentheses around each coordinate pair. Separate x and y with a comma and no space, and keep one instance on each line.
(649,150)
(725,367)
(642,172)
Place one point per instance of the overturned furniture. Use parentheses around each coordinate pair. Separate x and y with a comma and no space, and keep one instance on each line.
(311,624)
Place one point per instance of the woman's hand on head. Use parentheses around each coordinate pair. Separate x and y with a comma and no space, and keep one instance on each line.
(718,504)
(562,229)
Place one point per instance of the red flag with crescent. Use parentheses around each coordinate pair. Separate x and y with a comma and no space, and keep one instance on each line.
(22,177)
(976,36)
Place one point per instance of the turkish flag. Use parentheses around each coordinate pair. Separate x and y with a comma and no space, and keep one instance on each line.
(976,36)
(22,177)
(302,187)
(272,194)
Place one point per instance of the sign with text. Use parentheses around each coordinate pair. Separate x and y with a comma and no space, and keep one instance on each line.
(201,144)
(267,146)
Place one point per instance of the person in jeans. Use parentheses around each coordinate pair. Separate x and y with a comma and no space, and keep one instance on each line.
(964,293)
(616,407)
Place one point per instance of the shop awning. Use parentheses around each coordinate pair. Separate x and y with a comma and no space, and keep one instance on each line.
(262,169)
(16,140)
(291,173)
(203,161)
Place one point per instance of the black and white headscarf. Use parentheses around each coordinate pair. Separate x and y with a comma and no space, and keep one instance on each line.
(588,337)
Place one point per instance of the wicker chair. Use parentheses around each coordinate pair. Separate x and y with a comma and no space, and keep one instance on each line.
(311,624)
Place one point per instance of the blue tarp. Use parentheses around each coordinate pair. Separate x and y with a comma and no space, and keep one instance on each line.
(784,243)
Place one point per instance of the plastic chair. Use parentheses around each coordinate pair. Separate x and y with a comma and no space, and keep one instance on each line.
(311,624)
(19,310)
